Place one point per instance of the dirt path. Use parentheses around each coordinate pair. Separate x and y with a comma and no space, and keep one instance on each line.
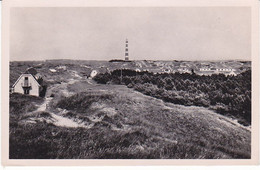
(139,101)
(57,119)
(65,122)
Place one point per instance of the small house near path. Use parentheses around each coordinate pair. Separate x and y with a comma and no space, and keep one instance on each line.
(30,83)
(93,74)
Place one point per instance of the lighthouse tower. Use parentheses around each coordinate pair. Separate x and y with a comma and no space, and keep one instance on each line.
(126,51)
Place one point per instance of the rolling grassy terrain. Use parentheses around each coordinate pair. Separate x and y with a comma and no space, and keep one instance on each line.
(227,95)
(122,123)
(85,120)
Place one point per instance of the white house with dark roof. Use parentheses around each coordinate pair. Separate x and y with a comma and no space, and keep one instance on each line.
(28,83)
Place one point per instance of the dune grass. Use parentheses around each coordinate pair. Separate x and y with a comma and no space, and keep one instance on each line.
(130,125)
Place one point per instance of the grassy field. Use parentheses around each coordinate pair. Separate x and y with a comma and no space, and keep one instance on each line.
(120,123)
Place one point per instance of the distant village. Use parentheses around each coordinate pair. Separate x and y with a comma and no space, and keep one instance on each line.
(198,67)
(31,82)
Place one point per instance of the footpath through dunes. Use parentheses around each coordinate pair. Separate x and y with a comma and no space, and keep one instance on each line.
(152,125)
(80,119)
(85,120)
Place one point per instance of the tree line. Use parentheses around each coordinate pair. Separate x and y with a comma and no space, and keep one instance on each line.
(228,95)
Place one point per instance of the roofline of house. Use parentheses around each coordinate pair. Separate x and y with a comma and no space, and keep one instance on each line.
(21,77)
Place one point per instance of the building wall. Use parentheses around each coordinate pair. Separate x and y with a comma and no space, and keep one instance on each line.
(34,85)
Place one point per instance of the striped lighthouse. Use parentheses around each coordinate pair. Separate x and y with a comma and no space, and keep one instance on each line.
(126,51)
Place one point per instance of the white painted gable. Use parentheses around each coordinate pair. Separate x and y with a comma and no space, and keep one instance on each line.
(26,81)
(93,73)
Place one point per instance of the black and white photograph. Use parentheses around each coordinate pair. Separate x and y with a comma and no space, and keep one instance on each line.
(172,82)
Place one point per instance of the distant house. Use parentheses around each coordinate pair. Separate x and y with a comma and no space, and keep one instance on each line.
(93,74)
(61,67)
(224,69)
(205,69)
(137,70)
(167,70)
(183,70)
(30,82)
(89,73)
(53,70)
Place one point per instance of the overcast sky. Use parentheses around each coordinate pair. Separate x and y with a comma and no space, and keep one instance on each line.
(92,33)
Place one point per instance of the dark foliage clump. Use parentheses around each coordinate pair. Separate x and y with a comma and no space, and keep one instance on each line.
(228,95)
(20,103)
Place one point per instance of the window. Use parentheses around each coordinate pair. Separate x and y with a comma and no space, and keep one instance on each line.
(26,82)
(26,91)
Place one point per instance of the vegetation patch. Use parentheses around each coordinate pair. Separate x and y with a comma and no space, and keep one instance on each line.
(80,102)
(228,95)
(20,104)
(122,123)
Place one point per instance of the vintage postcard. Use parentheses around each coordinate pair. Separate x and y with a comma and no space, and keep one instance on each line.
(130,82)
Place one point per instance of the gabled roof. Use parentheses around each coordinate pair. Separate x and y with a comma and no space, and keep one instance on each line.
(22,76)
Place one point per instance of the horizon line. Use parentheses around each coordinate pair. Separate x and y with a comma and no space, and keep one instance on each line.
(133,60)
